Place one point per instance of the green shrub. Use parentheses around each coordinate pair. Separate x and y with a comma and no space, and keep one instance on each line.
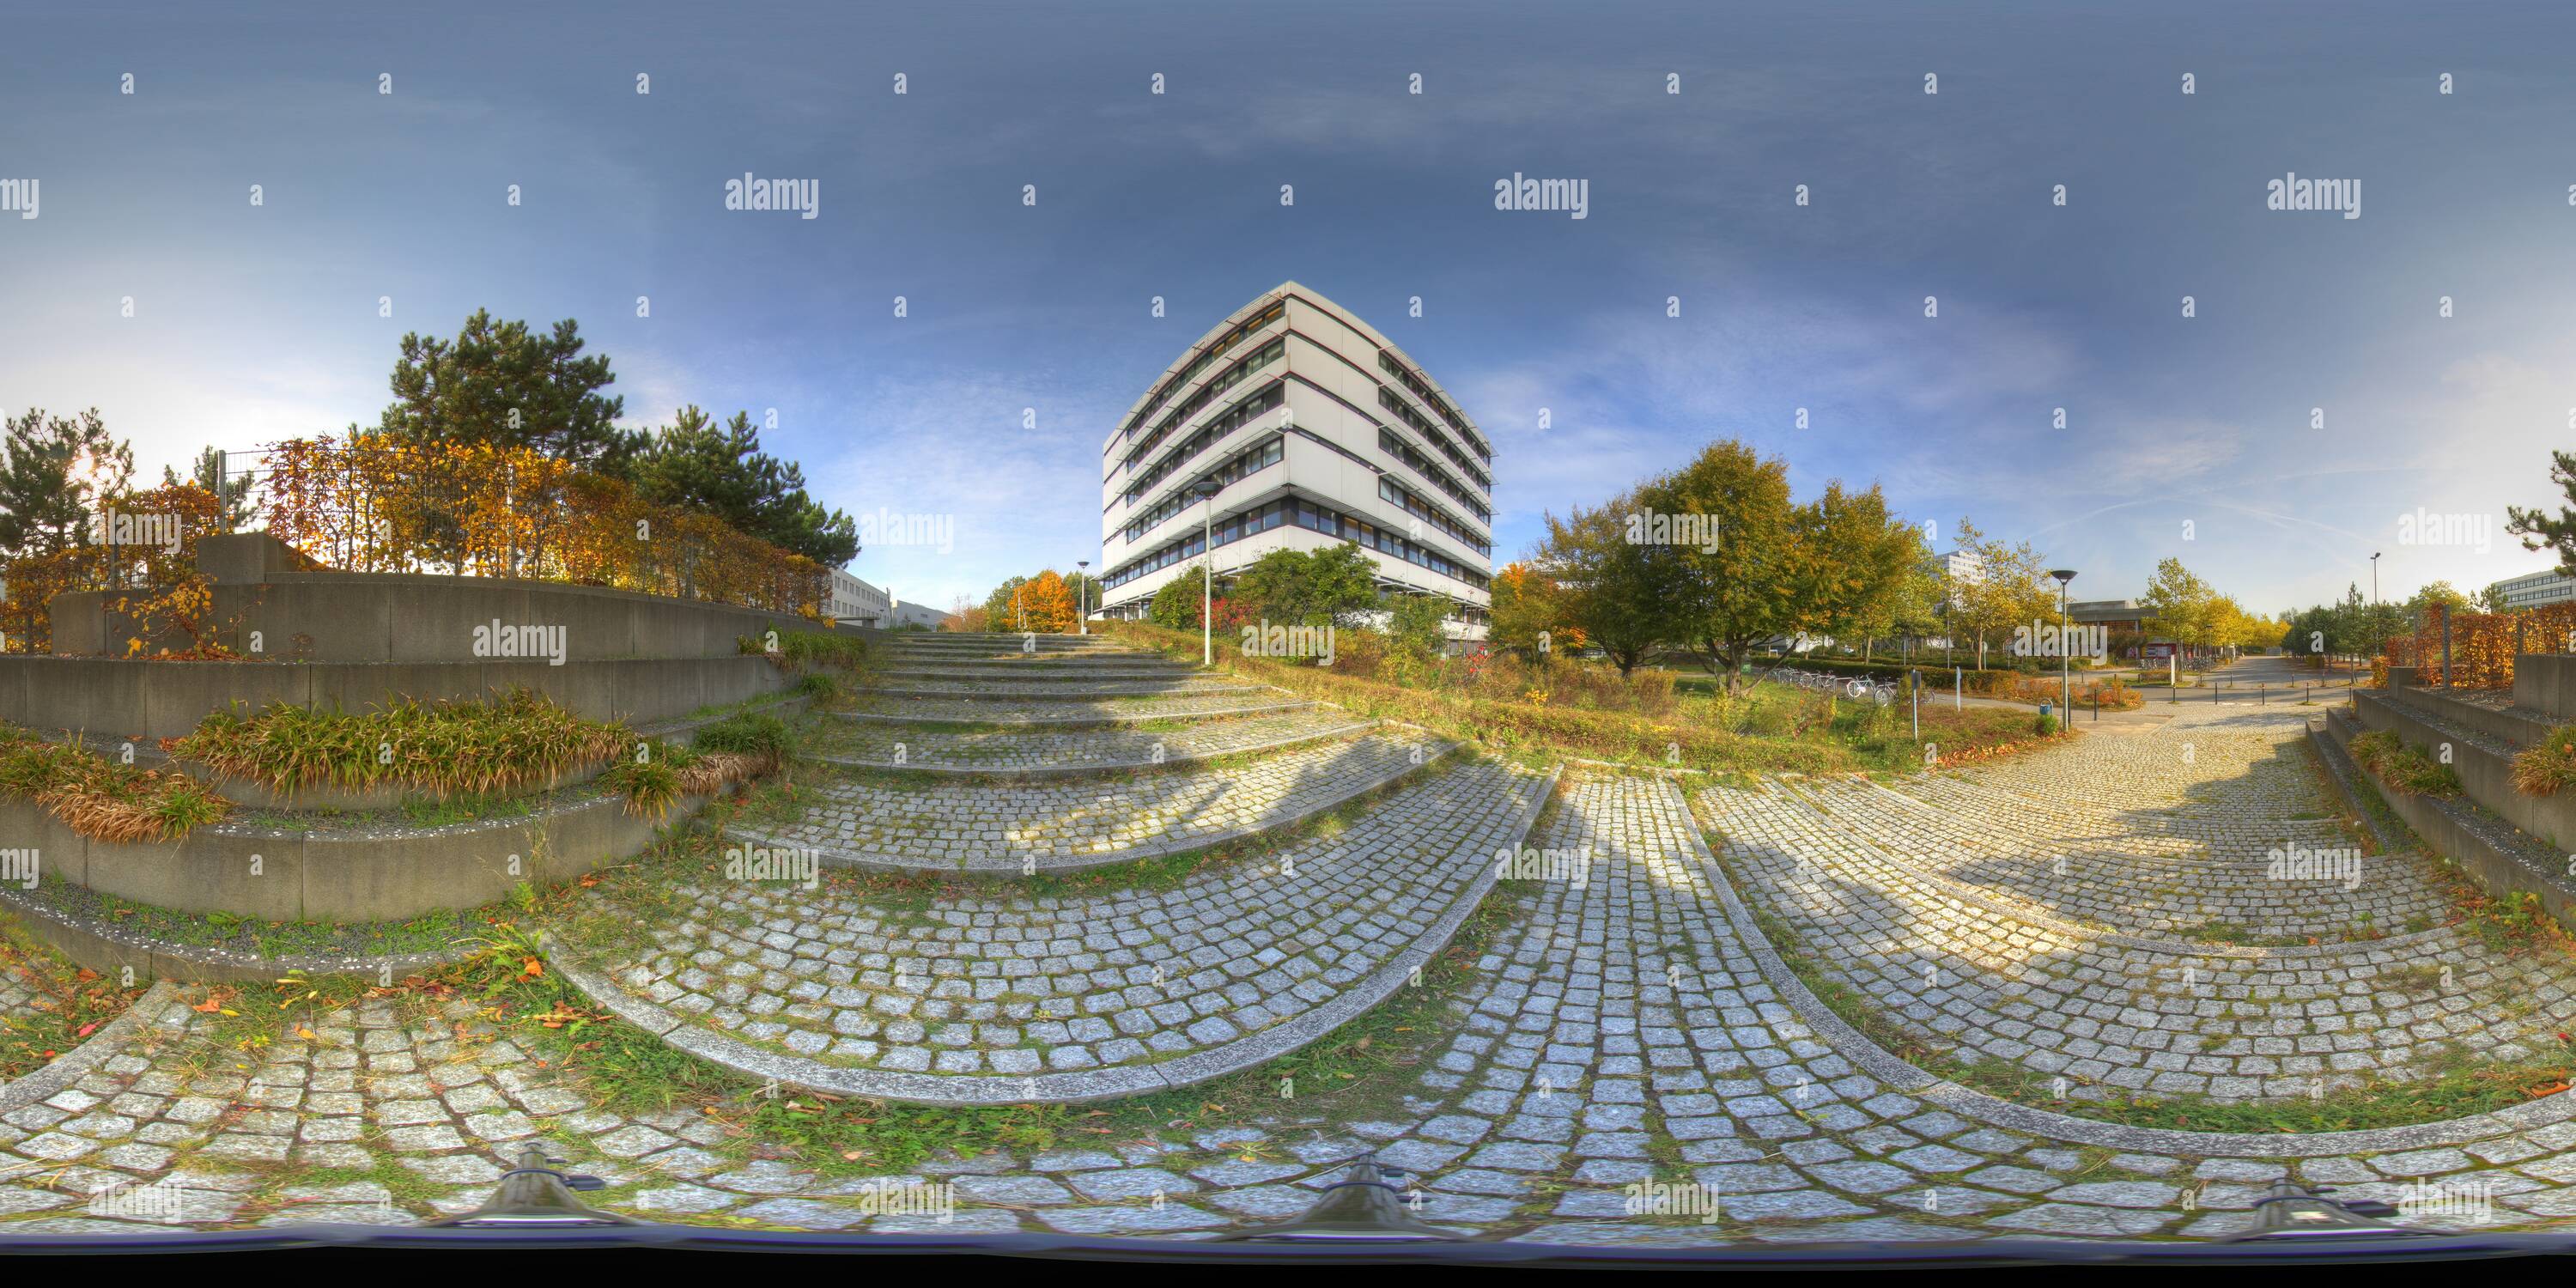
(512,741)
(762,737)
(100,798)
(842,650)
(2401,768)
(2546,769)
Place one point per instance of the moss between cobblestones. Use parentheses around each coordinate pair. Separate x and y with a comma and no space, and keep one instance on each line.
(66,1003)
(1360,1070)
(429,933)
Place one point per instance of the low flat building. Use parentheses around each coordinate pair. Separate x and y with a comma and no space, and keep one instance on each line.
(853,602)
(2119,616)
(922,615)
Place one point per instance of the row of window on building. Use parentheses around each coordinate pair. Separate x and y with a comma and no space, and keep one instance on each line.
(1305,514)
(1207,357)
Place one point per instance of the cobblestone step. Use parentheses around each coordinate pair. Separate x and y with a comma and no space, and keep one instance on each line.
(1042,753)
(1003,1000)
(1065,691)
(1109,711)
(1034,828)
(1031,673)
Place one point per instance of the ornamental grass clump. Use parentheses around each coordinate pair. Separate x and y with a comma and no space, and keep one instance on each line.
(2545,769)
(2403,769)
(99,798)
(656,774)
(513,741)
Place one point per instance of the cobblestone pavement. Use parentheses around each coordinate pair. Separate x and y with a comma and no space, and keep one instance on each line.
(1103,711)
(1035,672)
(1624,1027)
(2084,870)
(1069,690)
(1007,998)
(1053,827)
(2076,960)
(1023,751)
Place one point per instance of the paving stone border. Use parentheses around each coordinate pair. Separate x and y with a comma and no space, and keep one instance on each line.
(108,948)
(1969,1103)
(1072,1087)
(102,1044)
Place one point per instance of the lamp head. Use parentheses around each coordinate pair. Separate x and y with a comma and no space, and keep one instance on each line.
(2063,575)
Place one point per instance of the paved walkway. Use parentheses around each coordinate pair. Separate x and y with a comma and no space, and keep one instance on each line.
(2094,919)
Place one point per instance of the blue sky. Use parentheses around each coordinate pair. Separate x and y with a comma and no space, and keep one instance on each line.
(252,324)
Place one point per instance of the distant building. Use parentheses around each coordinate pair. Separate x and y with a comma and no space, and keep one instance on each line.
(2119,616)
(2533,590)
(919,615)
(855,603)
(1963,566)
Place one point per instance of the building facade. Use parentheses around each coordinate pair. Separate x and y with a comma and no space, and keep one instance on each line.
(924,615)
(853,602)
(2533,590)
(1313,428)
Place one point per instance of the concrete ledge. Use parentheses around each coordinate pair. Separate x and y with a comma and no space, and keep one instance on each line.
(1243,1053)
(2498,857)
(110,949)
(419,617)
(2484,764)
(2546,683)
(73,1065)
(356,874)
(146,701)
(2515,727)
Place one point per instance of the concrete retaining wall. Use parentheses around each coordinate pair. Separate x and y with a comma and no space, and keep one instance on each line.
(370,617)
(2461,835)
(149,700)
(2511,726)
(2546,683)
(384,874)
(2486,773)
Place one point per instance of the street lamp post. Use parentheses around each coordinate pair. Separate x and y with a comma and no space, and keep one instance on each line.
(1082,598)
(1206,490)
(2065,652)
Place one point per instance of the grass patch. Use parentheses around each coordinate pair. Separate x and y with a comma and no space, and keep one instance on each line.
(511,742)
(1770,728)
(100,798)
(66,1003)
(2402,768)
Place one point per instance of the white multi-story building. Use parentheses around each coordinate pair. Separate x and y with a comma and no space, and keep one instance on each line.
(855,603)
(1314,428)
(2533,590)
